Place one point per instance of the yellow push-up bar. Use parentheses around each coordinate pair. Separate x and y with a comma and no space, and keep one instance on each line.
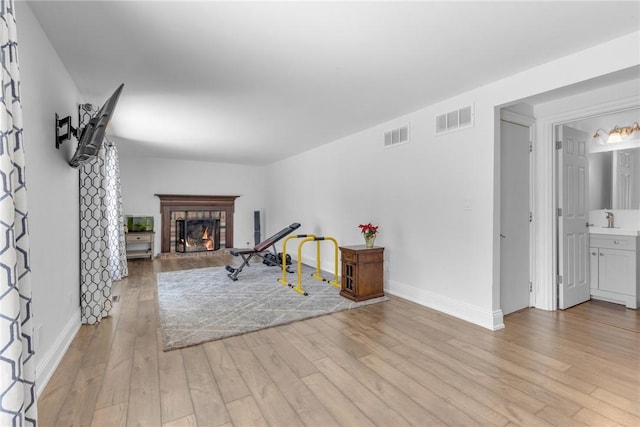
(316,275)
(283,279)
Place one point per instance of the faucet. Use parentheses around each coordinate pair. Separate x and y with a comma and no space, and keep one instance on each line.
(609,219)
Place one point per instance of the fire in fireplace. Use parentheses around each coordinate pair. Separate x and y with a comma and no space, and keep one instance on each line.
(197,235)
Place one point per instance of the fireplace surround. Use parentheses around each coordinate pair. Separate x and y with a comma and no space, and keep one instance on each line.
(179,203)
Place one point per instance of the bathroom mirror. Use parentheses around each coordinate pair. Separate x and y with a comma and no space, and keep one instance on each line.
(614,179)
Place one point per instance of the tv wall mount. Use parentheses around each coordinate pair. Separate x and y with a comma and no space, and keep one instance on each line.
(70,131)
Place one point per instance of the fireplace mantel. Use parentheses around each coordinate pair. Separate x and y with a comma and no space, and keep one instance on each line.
(191,202)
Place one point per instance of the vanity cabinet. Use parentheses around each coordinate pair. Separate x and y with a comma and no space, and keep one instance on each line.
(615,269)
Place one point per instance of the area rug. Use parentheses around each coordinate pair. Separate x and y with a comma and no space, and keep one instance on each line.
(204,304)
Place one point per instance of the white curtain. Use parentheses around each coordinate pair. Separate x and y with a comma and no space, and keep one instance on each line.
(17,360)
(115,218)
(95,281)
(103,255)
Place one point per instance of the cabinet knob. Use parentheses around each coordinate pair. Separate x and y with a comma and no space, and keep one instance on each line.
(616,242)
(601,254)
(594,253)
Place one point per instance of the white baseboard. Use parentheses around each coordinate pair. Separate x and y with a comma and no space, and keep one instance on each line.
(52,358)
(492,320)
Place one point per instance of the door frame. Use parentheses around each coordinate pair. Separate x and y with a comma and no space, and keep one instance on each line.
(528,122)
(545,250)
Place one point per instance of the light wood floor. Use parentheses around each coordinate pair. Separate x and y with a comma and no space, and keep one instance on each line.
(389,364)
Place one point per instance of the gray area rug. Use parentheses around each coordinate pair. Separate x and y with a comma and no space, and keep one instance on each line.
(204,304)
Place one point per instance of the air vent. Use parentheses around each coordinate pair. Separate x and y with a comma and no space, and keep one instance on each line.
(453,120)
(396,136)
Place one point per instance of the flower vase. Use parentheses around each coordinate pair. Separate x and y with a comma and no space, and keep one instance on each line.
(369,240)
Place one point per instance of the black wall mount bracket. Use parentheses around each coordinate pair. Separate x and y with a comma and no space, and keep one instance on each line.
(70,130)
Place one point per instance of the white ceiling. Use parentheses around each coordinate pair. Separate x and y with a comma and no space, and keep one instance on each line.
(253,82)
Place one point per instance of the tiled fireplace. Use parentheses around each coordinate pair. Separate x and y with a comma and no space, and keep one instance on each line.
(191,223)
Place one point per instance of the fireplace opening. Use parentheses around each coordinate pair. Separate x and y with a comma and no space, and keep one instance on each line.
(197,235)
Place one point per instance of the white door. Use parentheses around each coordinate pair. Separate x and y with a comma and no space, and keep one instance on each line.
(514,217)
(573,239)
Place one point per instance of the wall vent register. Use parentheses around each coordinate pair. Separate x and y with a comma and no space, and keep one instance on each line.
(396,136)
(454,120)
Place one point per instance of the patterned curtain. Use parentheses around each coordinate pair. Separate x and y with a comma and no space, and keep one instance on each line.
(103,256)
(95,282)
(17,361)
(115,218)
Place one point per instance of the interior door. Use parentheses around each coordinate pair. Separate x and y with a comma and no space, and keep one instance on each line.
(573,239)
(514,217)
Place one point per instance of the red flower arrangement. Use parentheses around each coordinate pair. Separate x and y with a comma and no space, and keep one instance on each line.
(369,230)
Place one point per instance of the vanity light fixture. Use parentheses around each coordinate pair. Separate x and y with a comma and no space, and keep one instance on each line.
(618,134)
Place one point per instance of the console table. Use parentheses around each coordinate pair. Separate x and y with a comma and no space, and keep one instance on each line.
(139,244)
(362,272)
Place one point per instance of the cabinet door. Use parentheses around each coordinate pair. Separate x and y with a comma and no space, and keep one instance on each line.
(617,271)
(593,267)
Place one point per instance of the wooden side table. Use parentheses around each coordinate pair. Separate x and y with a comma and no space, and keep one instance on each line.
(134,241)
(362,272)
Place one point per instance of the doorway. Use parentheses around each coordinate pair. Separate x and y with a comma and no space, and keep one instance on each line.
(605,189)
(515,211)
(610,93)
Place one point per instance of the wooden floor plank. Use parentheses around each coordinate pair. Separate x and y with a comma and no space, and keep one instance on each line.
(272,403)
(175,396)
(393,396)
(465,395)
(303,345)
(294,359)
(208,405)
(368,402)
(144,393)
(110,416)
(395,363)
(341,407)
(307,406)
(229,381)
(245,412)
(78,407)
(550,384)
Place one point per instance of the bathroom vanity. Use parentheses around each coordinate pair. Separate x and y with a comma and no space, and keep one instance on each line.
(615,265)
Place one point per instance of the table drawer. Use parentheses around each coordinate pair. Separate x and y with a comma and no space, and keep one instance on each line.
(350,257)
(138,238)
(627,243)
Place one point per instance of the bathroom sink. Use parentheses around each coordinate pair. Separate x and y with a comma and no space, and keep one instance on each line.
(614,230)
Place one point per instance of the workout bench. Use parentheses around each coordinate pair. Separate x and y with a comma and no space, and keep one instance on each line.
(247,253)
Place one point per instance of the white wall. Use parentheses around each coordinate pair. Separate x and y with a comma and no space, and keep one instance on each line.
(143,177)
(47,88)
(437,252)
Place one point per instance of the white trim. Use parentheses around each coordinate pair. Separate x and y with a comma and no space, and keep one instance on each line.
(545,197)
(518,119)
(53,357)
(492,320)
